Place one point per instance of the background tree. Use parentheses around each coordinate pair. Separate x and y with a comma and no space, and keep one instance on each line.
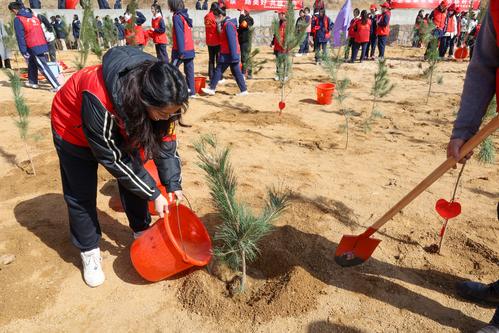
(381,87)
(293,37)
(238,235)
(252,62)
(88,36)
(431,57)
(22,111)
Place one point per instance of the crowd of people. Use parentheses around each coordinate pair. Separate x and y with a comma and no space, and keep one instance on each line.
(450,25)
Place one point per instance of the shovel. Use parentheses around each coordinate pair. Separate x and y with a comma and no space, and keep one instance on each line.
(354,250)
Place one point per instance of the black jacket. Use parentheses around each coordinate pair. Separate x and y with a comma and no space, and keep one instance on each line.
(107,142)
(244,33)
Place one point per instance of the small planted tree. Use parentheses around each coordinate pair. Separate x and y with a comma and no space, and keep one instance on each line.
(240,232)
(9,38)
(109,32)
(341,95)
(432,58)
(487,152)
(333,62)
(381,87)
(88,36)
(252,62)
(292,38)
(22,111)
(131,9)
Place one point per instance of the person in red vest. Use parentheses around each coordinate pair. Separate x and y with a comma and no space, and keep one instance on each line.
(480,85)
(351,32)
(212,39)
(449,31)
(136,36)
(158,32)
(383,29)
(371,46)
(183,44)
(322,27)
(438,17)
(32,45)
(230,54)
(278,41)
(117,114)
(362,31)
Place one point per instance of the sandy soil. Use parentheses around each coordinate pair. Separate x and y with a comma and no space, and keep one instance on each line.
(295,286)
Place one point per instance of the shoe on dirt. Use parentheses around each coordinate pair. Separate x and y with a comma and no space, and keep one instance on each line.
(92,268)
(222,81)
(243,93)
(487,294)
(31,85)
(208,91)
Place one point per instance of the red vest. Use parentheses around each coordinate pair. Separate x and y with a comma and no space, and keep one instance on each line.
(279,43)
(439,18)
(210,24)
(362,31)
(188,41)
(351,32)
(66,106)
(383,31)
(450,24)
(224,40)
(33,32)
(158,38)
(494,12)
(137,37)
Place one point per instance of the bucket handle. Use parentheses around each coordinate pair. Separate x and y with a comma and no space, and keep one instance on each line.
(184,253)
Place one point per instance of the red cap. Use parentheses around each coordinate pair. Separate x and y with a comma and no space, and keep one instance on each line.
(452,7)
(282,11)
(373,6)
(385,5)
(444,3)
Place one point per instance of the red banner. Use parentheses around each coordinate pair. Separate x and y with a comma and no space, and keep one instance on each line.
(430,4)
(259,5)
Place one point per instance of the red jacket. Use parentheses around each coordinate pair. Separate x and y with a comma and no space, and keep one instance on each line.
(351,32)
(362,31)
(210,24)
(33,32)
(279,43)
(158,37)
(137,37)
(439,18)
(450,24)
(383,24)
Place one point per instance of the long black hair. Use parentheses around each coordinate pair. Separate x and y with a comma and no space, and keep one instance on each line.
(157,7)
(363,16)
(176,5)
(152,83)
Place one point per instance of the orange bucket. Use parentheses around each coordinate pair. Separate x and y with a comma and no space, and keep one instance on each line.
(163,250)
(461,53)
(199,82)
(325,93)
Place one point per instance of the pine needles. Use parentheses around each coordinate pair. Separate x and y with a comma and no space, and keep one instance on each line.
(293,37)
(432,58)
(381,88)
(22,111)
(487,152)
(252,62)
(241,230)
(88,36)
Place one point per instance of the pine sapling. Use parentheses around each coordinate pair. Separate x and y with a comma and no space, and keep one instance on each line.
(487,152)
(88,36)
(9,38)
(130,25)
(22,111)
(432,57)
(252,63)
(341,95)
(381,88)
(293,37)
(240,231)
(109,31)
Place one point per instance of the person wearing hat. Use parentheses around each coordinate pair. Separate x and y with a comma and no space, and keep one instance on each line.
(480,86)
(371,46)
(438,17)
(383,29)
(212,39)
(449,31)
(278,41)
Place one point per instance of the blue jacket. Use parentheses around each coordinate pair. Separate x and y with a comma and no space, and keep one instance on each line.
(60,29)
(231,33)
(61,4)
(120,28)
(372,33)
(35,4)
(178,26)
(320,35)
(139,18)
(21,41)
(117,4)
(76,25)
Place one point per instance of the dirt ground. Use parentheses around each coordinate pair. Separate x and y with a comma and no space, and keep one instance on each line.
(295,286)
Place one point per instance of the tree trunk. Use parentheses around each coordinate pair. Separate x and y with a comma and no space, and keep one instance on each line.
(29,157)
(429,86)
(243,264)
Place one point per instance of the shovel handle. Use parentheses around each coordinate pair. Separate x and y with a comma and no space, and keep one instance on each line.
(481,135)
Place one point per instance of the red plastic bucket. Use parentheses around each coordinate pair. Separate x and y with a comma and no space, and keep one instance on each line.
(325,93)
(461,53)
(71,4)
(160,252)
(199,82)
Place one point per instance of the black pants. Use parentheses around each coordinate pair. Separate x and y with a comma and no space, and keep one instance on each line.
(371,46)
(161,53)
(381,46)
(355,51)
(444,45)
(52,51)
(213,52)
(245,54)
(79,184)
(6,62)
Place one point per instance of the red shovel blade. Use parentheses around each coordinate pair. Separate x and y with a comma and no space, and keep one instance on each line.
(447,209)
(354,250)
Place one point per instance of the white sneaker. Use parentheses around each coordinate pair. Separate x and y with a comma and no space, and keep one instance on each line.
(92,268)
(31,85)
(208,91)
(276,78)
(222,81)
(243,93)
(193,96)
(298,55)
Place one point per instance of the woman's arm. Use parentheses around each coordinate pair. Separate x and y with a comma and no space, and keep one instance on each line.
(105,141)
(178,26)
(169,165)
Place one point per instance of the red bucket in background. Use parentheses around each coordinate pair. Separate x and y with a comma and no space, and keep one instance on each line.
(461,53)
(165,249)
(199,82)
(325,93)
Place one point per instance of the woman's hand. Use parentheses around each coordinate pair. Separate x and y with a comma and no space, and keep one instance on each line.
(161,205)
(453,149)
(179,195)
